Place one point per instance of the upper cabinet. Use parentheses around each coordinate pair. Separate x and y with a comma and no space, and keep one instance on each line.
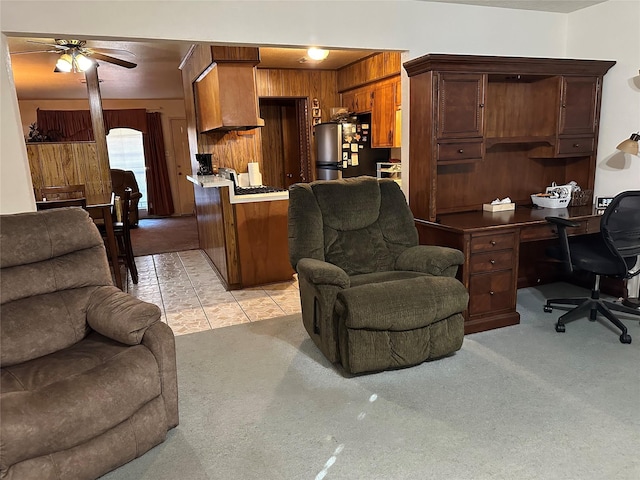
(483,127)
(372,85)
(460,100)
(578,105)
(225,92)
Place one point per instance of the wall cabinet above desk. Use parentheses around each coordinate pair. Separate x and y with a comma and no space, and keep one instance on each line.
(487,127)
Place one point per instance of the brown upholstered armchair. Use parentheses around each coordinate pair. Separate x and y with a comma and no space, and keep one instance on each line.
(88,378)
(372,298)
(121,179)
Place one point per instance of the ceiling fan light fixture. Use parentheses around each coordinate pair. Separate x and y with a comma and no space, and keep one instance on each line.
(317,54)
(65,63)
(83,63)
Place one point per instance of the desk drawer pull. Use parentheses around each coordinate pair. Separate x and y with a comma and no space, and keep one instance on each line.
(576,145)
(461,150)
(491,292)
(493,243)
(492,262)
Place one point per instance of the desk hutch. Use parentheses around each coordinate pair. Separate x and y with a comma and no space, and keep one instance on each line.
(484,127)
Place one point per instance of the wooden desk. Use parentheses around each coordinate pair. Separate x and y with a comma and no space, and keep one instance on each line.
(492,245)
(100,213)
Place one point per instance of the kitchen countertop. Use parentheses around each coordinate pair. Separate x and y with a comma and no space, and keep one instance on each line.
(214,181)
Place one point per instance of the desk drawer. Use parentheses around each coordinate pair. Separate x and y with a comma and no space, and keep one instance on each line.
(456,152)
(491,292)
(575,145)
(494,241)
(491,261)
(547,231)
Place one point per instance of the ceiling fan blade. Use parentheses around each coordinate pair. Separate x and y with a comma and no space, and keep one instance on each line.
(115,61)
(34,51)
(58,46)
(111,50)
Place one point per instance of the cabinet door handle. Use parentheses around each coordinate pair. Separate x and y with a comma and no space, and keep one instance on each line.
(461,150)
(491,292)
(564,105)
(493,243)
(492,262)
(481,105)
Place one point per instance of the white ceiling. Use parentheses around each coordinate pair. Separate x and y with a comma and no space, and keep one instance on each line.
(556,6)
(157,75)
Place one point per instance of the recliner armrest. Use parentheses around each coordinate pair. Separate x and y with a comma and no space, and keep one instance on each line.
(135,196)
(120,316)
(318,272)
(432,259)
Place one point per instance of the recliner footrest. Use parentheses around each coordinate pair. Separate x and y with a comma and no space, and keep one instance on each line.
(400,323)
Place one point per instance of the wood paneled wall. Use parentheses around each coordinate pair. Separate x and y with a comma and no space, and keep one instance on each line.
(53,164)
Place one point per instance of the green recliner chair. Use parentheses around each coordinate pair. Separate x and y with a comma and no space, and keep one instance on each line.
(372,298)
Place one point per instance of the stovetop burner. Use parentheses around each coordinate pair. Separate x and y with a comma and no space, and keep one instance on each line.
(254,190)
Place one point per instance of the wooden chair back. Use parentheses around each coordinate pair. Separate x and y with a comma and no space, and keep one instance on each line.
(62,192)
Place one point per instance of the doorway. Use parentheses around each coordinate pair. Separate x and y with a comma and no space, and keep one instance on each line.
(285,141)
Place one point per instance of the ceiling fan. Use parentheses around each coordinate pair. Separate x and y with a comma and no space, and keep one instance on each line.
(75,57)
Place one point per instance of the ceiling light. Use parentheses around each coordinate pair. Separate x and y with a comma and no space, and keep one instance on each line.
(83,63)
(64,63)
(317,53)
(630,145)
(74,62)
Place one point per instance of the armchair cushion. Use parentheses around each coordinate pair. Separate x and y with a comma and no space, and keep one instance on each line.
(120,316)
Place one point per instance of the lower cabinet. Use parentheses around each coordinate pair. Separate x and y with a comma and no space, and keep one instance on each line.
(491,280)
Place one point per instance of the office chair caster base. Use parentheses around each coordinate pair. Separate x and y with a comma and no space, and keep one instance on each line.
(625,338)
(548,308)
(561,328)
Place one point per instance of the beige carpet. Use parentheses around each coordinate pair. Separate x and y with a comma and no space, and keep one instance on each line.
(163,235)
(258,401)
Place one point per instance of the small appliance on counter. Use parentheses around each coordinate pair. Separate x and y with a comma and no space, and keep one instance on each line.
(205,168)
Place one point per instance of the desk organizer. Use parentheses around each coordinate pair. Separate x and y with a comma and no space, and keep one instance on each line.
(581,198)
(550,202)
(499,207)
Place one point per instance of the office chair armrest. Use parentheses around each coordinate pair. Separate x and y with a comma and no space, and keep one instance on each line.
(563,224)
(318,272)
(432,259)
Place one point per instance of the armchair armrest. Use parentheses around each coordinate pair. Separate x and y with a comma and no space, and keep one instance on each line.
(319,272)
(432,259)
(120,316)
(135,196)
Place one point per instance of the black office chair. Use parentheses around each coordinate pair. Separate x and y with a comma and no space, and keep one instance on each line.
(612,253)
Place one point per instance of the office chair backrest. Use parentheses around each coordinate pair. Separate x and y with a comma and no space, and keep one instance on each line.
(620,227)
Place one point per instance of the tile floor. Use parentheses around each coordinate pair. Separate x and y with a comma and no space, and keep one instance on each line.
(192,298)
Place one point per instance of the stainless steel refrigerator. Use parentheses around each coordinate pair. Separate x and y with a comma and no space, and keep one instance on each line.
(343,149)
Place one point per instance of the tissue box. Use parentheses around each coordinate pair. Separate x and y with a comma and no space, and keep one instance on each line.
(500,207)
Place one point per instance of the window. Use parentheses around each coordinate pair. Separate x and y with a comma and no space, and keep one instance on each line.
(126,152)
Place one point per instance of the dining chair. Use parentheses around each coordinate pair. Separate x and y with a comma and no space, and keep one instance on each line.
(61,192)
(122,230)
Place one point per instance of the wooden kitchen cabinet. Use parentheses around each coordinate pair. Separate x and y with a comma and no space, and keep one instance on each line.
(383,116)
